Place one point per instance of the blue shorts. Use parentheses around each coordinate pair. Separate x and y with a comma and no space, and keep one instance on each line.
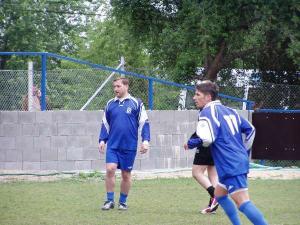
(123,158)
(234,184)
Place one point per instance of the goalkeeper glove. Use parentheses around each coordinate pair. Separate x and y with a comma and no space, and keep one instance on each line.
(194,142)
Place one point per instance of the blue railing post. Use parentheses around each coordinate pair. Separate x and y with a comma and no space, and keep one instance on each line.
(150,94)
(249,105)
(43,81)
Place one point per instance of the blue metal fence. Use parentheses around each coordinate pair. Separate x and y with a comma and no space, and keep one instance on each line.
(45,55)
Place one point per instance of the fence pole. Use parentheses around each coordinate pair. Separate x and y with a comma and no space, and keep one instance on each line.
(30,85)
(43,81)
(150,94)
(122,65)
(99,89)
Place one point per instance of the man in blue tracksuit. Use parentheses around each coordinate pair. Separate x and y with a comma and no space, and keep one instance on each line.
(230,137)
(123,117)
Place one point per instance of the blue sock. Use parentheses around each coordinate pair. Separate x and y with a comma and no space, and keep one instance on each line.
(230,209)
(253,213)
(123,198)
(110,196)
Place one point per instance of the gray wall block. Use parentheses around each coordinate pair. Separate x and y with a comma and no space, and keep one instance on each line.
(181,116)
(49,165)
(42,142)
(78,116)
(30,129)
(167,116)
(7,143)
(68,140)
(1,130)
(49,154)
(78,129)
(59,142)
(92,128)
(13,156)
(91,154)
(61,117)
(27,117)
(83,165)
(47,129)
(66,165)
(64,129)
(31,165)
(13,165)
(62,154)
(74,153)
(193,115)
(2,155)
(24,143)
(11,130)
(44,117)
(32,156)
(9,117)
(98,165)
(148,164)
(94,117)
(80,141)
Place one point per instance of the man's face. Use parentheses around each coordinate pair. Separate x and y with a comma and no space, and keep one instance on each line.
(201,99)
(120,89)
(38,93)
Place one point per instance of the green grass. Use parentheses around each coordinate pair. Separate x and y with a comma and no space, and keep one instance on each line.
(158,201)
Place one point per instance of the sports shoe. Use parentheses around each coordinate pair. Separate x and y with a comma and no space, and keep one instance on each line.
(123,206)
(207,211)
(213,204)
(211,208)
(108,205)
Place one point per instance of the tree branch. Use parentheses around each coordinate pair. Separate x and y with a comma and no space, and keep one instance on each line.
(238,55)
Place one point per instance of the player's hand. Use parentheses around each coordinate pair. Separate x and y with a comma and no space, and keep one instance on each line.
(185,146)
(102,147)
(144,147)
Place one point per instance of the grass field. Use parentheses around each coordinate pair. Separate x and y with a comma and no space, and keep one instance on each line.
(156,201)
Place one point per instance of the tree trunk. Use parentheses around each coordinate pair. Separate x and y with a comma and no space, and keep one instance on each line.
(211,73)
(3,60)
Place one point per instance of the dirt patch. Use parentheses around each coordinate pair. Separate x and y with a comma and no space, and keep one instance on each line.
(254,174)
(44,176)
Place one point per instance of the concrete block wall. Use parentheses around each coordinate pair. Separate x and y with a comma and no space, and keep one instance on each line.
(68,140)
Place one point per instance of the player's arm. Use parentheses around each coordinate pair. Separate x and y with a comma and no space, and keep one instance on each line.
(207,126)
(104,131)
(249,131)
(145,129)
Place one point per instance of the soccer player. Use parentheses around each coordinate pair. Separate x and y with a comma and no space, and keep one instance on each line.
(122,118)
(203,161)
(230,136)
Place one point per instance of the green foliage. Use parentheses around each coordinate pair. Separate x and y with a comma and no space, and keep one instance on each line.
(42,26)
(165,97)
(12,89)
(95,174)
(182,36)
(108,41)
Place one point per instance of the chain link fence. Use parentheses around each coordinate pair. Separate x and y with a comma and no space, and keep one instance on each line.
(70,89)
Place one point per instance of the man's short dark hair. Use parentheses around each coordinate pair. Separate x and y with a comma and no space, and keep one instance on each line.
(208,87)
(124,80)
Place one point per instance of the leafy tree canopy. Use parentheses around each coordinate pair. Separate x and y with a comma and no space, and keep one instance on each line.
(183,36)
(42,25)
